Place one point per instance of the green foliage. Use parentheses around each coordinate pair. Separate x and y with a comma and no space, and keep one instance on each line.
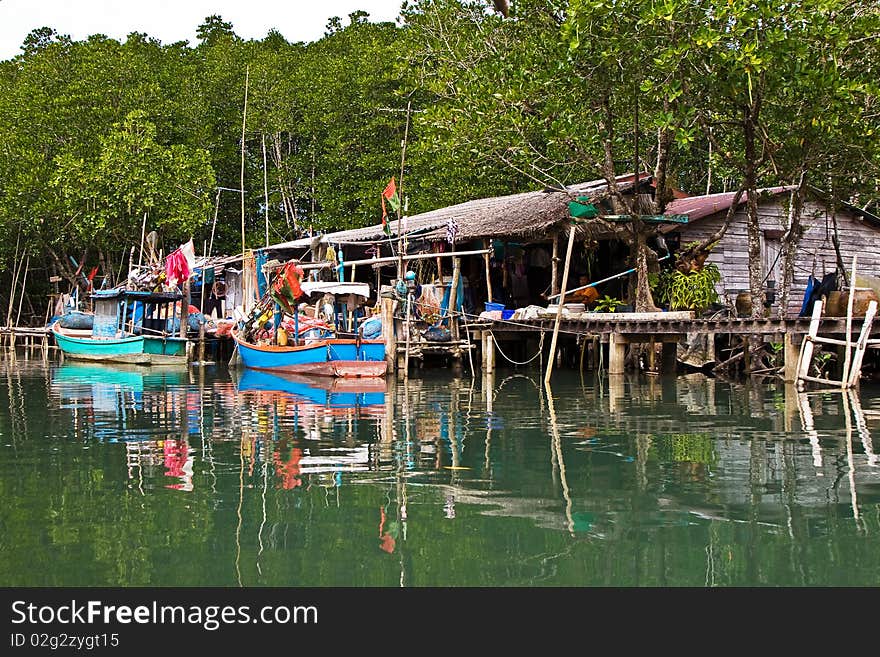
(694,291)
(660,284)
(607,304)
(499,105)
(132,175)
(688,448)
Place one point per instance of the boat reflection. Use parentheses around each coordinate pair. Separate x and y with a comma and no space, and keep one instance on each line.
(320,425)
(365,393)
(148,410)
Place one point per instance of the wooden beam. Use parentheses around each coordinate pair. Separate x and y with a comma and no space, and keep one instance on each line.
(855,370)
(849,316)
(559,306)
(381,261)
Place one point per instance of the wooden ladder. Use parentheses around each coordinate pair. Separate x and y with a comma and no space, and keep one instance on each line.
(855,352)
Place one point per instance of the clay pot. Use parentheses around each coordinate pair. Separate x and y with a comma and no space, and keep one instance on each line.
(833,305)
(860,302)
(743,304)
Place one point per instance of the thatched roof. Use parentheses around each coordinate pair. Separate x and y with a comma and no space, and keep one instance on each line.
(525,216)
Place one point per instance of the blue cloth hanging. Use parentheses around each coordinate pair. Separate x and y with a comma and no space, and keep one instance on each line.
(811,283)
(459,298)
(260,259)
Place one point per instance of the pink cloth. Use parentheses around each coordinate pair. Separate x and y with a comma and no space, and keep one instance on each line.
(176,267)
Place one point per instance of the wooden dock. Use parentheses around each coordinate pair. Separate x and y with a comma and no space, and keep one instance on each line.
(617,330)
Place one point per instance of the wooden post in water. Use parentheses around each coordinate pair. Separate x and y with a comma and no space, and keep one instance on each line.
(388,332)
(184,310)
(669,357)
(489,347)
(616,353)
(554,270)
(790,353)
(202,345)
(408,333)
(844,377)
(560,304)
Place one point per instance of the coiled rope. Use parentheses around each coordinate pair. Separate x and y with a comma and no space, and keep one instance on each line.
(510,360)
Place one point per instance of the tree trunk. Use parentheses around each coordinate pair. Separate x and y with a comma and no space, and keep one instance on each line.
(607,126)
(790,244)
(664,143)
(643,299)
(756,278)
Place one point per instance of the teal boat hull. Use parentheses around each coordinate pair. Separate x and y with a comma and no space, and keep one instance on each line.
(129,349)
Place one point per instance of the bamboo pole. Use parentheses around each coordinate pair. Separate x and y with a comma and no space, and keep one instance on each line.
(408,332)
(389,259)
(247,73)
(16,269)
(23,288)
(143,235)
(184,309)
(265,187)
(849,317)
(214,223)
(400,209)
(486,256)
(571,234)
(554,284)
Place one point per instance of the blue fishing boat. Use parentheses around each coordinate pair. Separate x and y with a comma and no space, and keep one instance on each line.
(326,357)
(140,337)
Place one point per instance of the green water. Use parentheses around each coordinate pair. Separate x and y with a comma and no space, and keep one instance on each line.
(127,477)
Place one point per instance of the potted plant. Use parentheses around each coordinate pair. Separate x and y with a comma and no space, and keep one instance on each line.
(607,304)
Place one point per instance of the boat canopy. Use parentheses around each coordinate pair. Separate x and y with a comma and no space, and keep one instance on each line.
(332,287)
(137,295)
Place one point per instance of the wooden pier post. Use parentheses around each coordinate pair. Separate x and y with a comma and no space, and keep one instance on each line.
(791,352)
(387,310)
(669,358)
(616,353)
(488,352)
(202,345)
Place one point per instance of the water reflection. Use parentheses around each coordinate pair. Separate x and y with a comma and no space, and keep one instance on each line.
(132,476)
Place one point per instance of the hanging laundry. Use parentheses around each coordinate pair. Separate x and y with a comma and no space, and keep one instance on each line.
(189,252)
(176,267)
(286,288)
(452,229)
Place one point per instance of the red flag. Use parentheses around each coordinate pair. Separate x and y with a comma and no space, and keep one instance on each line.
(92,273)
(389,194)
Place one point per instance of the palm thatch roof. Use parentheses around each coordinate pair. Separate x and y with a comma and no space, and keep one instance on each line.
(525,216)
